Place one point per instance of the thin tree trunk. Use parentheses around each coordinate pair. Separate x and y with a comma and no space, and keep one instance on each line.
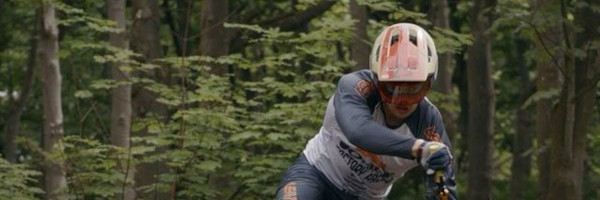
(214,42)
(54,173)
(521,165)
(360,48)
(213,38)
(460,72)
(481,104)
(174,30)
(11,130)
(120,118)
(562,180)
(458,78)
(439,15)
(146,28)
(547,79)
(585,70)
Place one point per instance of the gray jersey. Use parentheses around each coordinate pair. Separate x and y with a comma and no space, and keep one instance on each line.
(356,151)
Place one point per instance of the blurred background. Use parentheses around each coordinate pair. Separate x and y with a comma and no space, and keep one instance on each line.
(214,99)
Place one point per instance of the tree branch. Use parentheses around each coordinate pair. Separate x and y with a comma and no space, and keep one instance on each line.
(541,40)
(593,82)
(293,20)
(287,21)
(237,191)
(554,60)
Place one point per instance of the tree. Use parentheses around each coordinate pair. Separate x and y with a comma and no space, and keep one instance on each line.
(360,47)
(120,117)
(587,72)
(11,130)
(214,40)
(481,102)
(524,129)
(146,28)
(54,173)
(547,80)
(575,105)
(439,15)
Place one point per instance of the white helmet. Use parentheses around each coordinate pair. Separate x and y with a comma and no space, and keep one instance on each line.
(404,52)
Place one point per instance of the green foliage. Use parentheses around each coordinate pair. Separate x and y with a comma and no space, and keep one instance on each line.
(258,138)
(17,181)
(592,173)
(94,173)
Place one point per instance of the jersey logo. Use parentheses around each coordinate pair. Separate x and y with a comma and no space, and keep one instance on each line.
(431,135)
(375,158)
(364,88)
(369,172)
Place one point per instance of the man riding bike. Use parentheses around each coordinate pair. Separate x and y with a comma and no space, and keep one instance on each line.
(378,125)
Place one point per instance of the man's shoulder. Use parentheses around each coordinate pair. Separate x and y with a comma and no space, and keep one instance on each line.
(359,81)
(428,125)
(359,75)
(428,108)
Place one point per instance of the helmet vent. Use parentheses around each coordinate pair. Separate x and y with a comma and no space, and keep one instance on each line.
(413,39)
(394,39)
(377,53)
(428,54)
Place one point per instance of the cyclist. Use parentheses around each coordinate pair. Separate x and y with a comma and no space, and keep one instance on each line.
(377,126)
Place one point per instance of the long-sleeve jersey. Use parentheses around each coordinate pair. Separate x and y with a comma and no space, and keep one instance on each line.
(355,149)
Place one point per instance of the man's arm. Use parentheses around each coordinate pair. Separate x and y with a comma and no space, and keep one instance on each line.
(354,116)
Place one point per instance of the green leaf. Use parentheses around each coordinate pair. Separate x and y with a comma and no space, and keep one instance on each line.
(209,165)
(245,135)
(83,94)
(539,95)
(277,136)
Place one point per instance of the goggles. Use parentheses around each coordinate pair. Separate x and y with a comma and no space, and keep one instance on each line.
(403,92)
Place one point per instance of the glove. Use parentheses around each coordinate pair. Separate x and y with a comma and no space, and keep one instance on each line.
(434,155)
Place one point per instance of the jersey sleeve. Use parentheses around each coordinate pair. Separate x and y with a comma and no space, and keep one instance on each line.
(438,123)
(354,116)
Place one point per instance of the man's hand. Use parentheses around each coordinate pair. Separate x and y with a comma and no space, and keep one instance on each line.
(434,155)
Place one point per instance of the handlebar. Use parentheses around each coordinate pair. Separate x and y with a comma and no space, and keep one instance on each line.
(442,190)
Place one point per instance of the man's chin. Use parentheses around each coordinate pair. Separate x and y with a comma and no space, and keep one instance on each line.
(401,110)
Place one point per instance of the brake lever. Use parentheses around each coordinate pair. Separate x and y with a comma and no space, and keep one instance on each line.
(443,191)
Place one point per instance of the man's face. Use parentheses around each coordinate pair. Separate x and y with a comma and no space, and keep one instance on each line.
(400,111)
(402,98)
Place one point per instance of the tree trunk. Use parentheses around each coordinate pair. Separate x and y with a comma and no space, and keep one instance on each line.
(439,15)
(481,103)
(458,78)
(360,47)
(585,70)
(146,28)
(521,165)
(213,38)
(562,183)
(54,173)
(562,173)
(547,79)
(11,130)
(120,117)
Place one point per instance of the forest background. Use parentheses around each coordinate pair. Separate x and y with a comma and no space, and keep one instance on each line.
(213,99)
